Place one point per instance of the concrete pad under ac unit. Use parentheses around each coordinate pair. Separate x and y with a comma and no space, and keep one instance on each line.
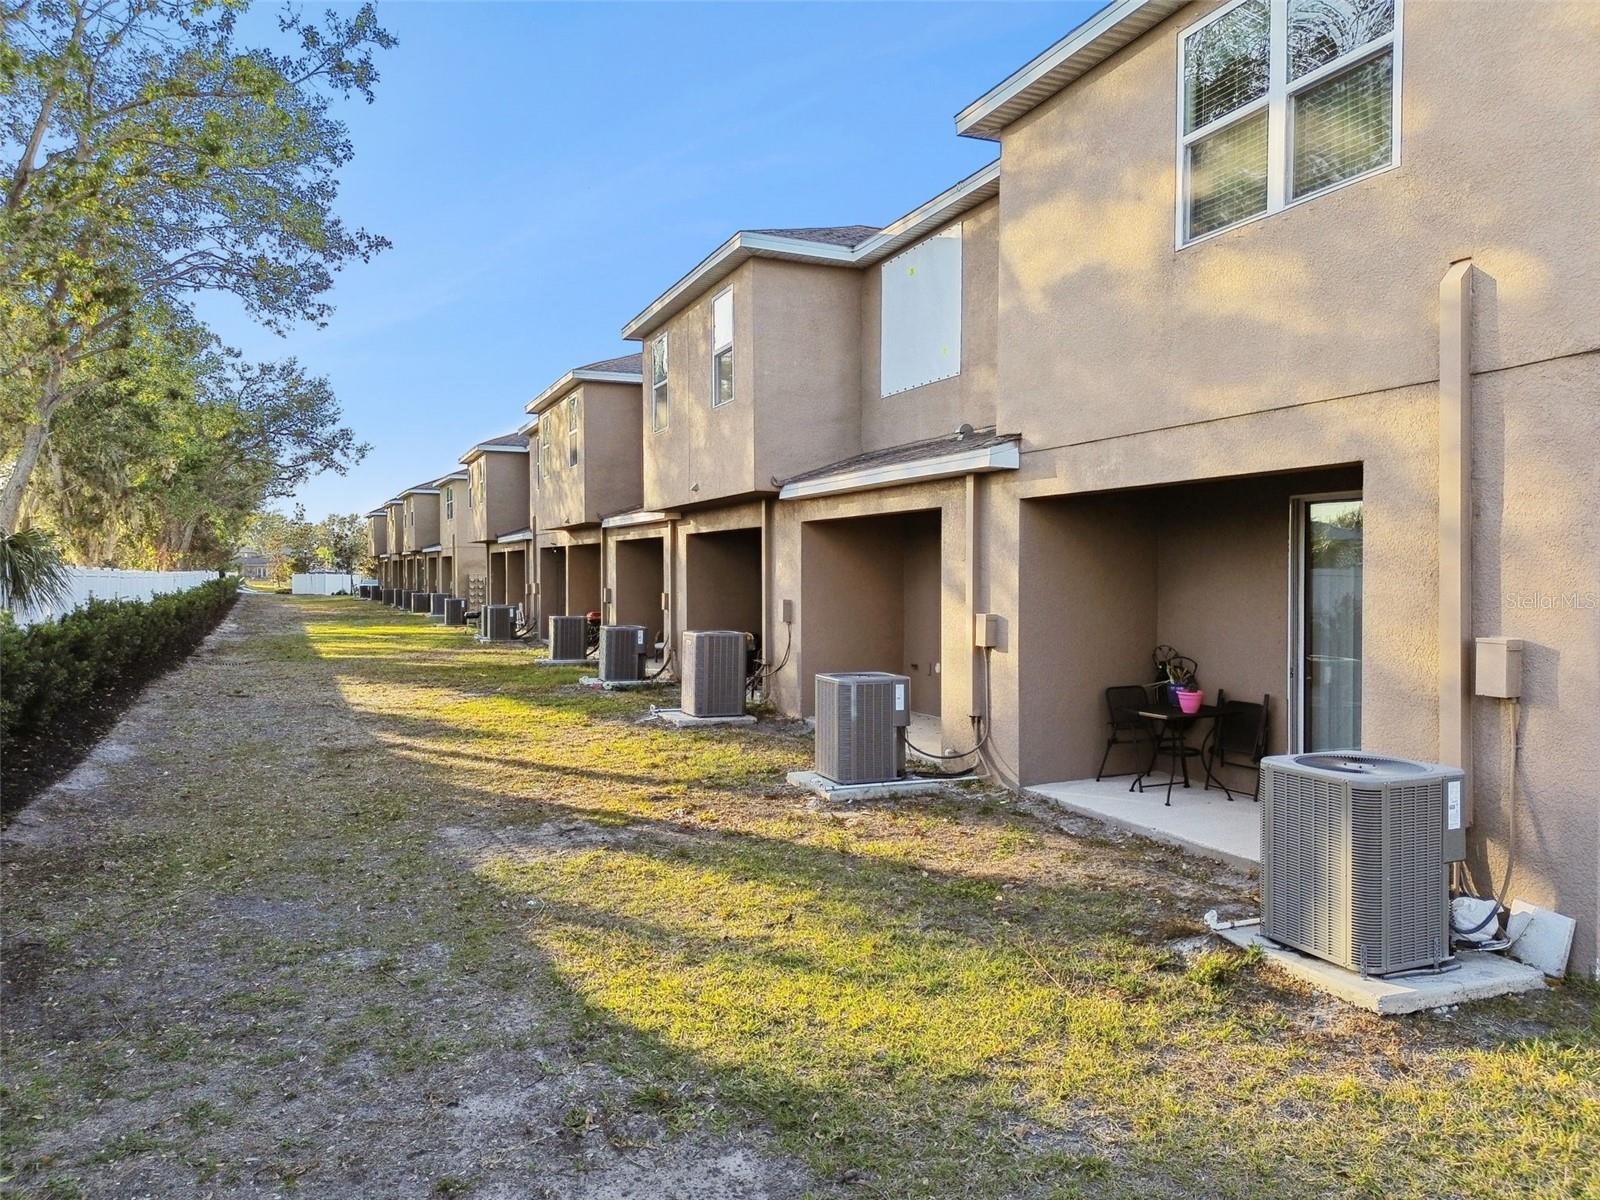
(618,685)
(1540,938)
(679,719)
(843,793)
(1478,975)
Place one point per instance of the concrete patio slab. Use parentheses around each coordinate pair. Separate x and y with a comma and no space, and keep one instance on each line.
(1201,822)
(564,662)
(621,685)
(843,793)
(681,720)
(1477,976)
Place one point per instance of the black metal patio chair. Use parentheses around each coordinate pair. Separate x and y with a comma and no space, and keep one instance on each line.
(1127,727)
(1238,738)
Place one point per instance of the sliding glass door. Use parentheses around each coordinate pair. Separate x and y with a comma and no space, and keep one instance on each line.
(1325,658)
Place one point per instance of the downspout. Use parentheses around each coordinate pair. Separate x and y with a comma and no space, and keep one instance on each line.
(1455,521)
(974,655)
(767,643)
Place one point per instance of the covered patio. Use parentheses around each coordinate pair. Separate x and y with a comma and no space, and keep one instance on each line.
(1253,582)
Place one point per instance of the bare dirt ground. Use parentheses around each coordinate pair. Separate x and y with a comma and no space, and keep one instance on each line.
(248,1003)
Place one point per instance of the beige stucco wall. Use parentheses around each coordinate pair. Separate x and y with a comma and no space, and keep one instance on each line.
(421,521)
(1310,338)
(796,370)
(500,501)
(940,407)
(606,479)
(377,535)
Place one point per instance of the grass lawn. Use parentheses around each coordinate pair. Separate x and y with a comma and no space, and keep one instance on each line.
(369,909)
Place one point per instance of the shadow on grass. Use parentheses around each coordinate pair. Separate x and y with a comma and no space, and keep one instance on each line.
(926,999)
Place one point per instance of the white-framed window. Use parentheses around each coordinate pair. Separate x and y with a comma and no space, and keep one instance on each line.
(572,430)
(919,310)
(1281,100)
(722,348)
(449,503)
(658,384)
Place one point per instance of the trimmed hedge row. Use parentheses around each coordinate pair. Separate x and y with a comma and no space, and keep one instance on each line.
(56,673)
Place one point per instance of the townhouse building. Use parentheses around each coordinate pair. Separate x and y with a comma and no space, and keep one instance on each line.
(463,565)
(378,543)
(497,510)
(1272,336)
(419,537)
(586,466)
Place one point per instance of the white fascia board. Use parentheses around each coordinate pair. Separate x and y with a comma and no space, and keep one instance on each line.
(419,491)
(716,266)
(1003,457)
(927,218)
(572,379)
(521,535)
(527,427)
(625,520)
(1091,43)
(433,549)
(720,263)
(450,478)
(477,452)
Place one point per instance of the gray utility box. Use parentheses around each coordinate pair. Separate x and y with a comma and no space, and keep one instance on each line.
(622,653)
(402,599)
(496,622)
(436,603)
(567,637)
(421,602)
(455,611)
(1355,854)
(861,722)
(713,672)
(387,595)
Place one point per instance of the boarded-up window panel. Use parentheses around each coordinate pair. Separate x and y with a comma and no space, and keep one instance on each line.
(921,314)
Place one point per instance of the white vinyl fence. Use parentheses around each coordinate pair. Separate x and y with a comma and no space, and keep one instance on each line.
(108,583)
(327,583)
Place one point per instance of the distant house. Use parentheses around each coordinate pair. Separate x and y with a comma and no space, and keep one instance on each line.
(253,565)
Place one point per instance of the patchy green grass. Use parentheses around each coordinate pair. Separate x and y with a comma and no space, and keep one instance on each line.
(957,997)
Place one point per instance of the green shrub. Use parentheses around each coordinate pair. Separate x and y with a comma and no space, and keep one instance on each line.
(54,674)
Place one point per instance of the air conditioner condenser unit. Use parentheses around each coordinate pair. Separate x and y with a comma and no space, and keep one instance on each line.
(622,653)
(436,603)
(1355,854)
(568,638)
(714,672)
(421,602)
(495,622)
(455,611)
(861,722)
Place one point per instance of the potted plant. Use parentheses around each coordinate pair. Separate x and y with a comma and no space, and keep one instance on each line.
(1181,675)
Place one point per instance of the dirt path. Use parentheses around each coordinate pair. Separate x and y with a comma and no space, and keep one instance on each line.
(237,965)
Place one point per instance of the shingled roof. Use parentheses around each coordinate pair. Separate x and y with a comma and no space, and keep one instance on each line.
(830,235)
(628,364)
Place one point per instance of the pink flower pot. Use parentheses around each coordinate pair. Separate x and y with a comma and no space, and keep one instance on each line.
(1189,702)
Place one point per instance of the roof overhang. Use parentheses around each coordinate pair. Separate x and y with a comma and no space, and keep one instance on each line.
(436,548)
(1004,456)
(477,452)
(379,512)
(642,517)
(521,535)
(981,185)
(572,379)
(532,423)
(444,479)
(1090,44)
(418,491)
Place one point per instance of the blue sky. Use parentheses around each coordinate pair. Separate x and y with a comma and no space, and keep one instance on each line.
(546,170)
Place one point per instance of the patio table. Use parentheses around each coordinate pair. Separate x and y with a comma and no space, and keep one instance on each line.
(1176,722)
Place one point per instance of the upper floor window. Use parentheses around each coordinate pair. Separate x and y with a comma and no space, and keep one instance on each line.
(1282,99)
(919,327)
(658,383)
(572,430)
(722,348)
(449,504)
